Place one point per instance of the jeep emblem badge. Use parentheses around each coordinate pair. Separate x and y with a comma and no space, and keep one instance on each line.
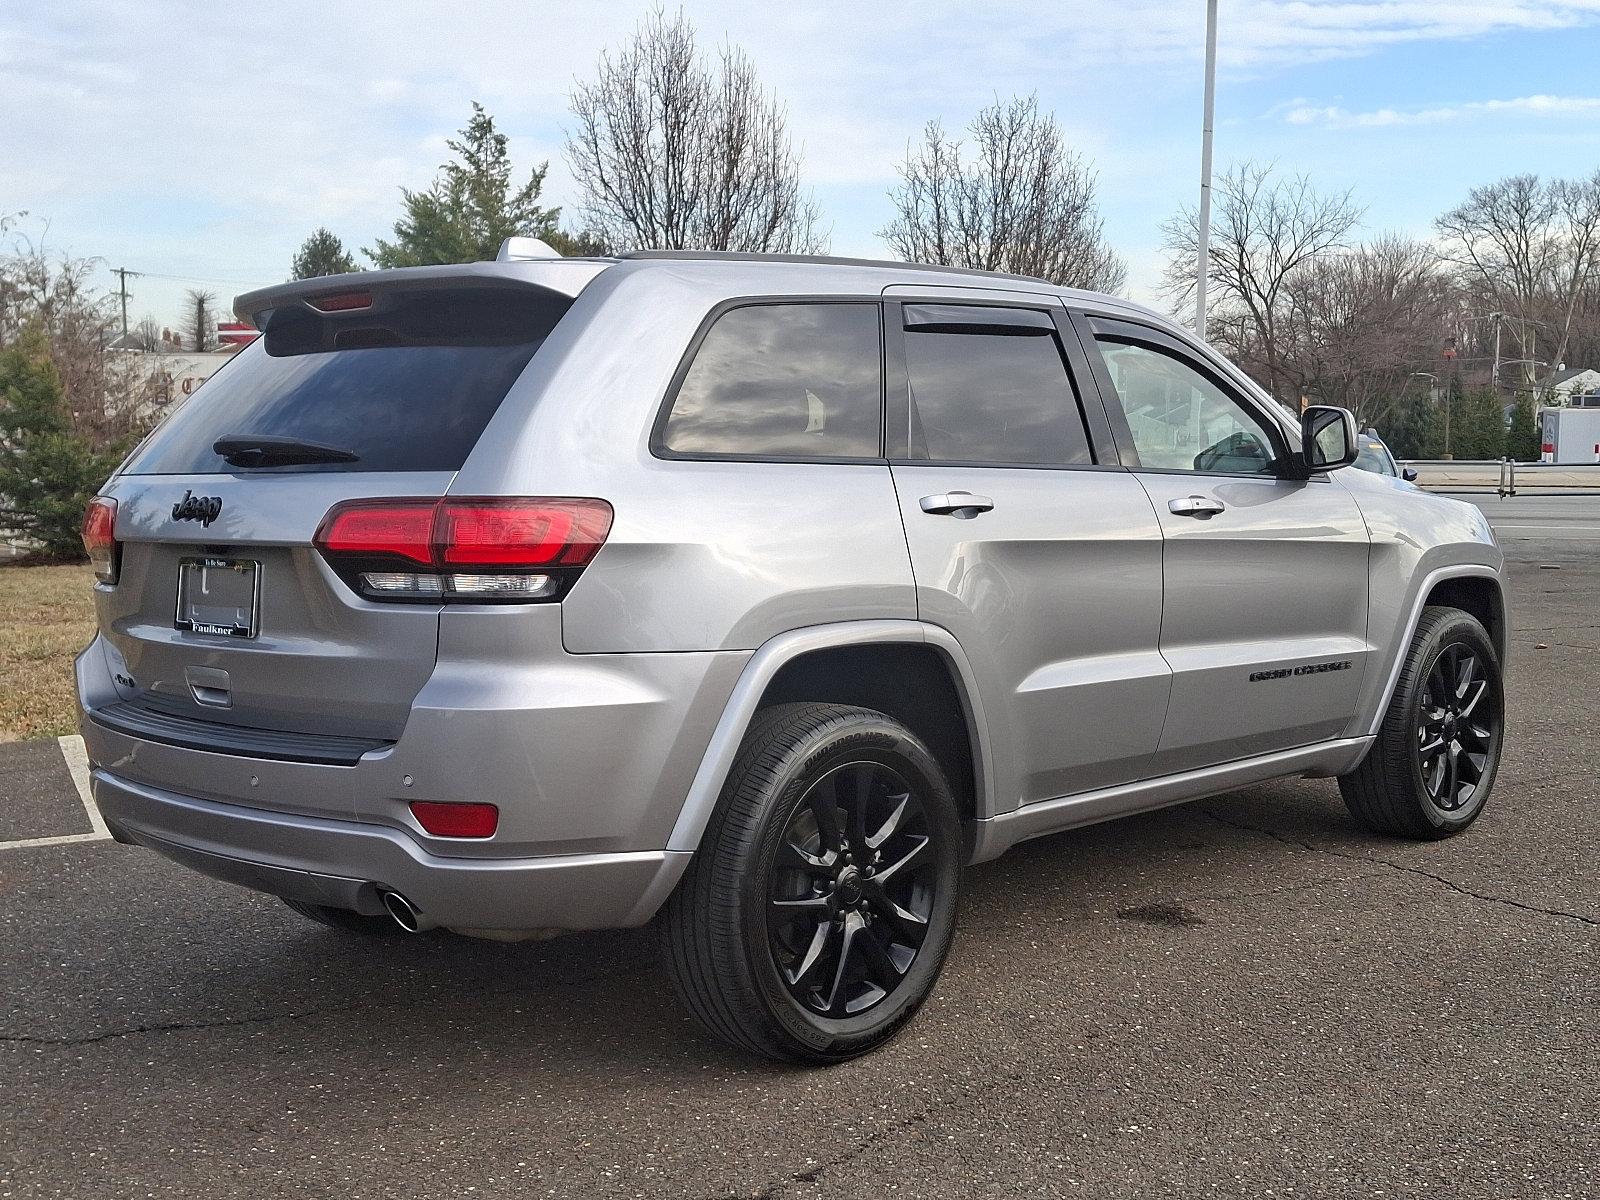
(197,508)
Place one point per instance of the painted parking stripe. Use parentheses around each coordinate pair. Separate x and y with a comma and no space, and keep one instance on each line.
(77,760)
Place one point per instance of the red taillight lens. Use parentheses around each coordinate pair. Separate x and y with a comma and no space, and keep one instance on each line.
(484,549)
(99,537)
(443,819)
(403,527)
(521,533)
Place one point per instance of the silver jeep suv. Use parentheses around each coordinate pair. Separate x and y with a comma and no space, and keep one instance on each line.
(755,596)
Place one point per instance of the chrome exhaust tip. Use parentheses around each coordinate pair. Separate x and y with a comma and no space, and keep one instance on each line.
(405,913)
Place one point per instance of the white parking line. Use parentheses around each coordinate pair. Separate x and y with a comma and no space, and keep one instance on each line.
(77,760)
(78,767)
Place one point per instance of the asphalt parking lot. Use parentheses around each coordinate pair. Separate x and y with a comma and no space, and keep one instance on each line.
(1240,997)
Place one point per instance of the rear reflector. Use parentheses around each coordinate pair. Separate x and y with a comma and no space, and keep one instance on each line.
(443,819)
(99,537)
(484,549)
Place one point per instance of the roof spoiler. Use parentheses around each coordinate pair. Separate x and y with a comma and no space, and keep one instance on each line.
(564,277)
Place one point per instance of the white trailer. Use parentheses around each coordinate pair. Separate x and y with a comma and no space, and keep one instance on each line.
(1569,435)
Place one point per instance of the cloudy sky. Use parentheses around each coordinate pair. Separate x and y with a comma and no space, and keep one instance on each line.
(199,144)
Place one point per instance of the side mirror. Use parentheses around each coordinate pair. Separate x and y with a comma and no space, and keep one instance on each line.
(1327,438)
(1409,474)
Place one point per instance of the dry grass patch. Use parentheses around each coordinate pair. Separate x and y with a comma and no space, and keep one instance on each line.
(46,617)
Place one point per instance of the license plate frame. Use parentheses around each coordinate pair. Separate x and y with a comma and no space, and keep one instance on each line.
(228,603)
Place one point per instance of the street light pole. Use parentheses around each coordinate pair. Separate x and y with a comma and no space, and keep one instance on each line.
(1434,379)
(1204,239)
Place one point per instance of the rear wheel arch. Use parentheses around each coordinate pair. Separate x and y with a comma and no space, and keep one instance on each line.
(857,663)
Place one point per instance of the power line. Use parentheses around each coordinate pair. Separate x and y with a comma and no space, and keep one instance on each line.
(205,279)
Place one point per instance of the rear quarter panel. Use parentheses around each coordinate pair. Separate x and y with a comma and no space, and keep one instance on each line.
(702,555)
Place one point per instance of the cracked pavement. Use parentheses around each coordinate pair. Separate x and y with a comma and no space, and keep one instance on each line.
(1241,996)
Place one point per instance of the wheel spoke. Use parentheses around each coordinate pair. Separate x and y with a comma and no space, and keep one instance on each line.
(892,825)
(826,811)
(1429,748)
(1465,709)
(881,969)
(910,859)
(847,945)
(806,904)
(1466,668)
(1438,689)
(1452,774)
(857,806)
(806,972)
(907,926)
(793,858)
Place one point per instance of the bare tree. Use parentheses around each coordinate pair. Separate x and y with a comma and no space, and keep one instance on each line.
(1264,228)
(201,319)
(1359,323)
(1024,204)
(43,295)
(672,152)
(1528,248)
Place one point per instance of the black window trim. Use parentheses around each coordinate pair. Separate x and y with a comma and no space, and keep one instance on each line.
(1097,433)
(1118,328)
(658,429)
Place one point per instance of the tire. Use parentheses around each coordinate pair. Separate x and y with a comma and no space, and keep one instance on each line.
(1430,771)
(808,938)
(344,919)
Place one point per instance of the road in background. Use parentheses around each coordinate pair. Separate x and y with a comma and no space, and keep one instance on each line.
(1241,996)
(1525,523)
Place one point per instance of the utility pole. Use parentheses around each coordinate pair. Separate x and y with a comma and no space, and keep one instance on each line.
(122,274)
(1497,318)
(1204,240)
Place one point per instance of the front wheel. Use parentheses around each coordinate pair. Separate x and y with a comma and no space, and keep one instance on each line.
(817,912)
(1429,772)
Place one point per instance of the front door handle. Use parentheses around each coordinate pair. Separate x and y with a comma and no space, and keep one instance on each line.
(1195,506)
(961,505)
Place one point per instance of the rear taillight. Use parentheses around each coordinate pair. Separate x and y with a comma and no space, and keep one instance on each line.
(481,550)
(99,537)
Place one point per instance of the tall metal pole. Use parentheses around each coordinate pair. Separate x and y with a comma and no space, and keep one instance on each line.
(1204,240)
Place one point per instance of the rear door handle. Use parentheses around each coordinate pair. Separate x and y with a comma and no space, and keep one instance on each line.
(1195,506)
(961,505)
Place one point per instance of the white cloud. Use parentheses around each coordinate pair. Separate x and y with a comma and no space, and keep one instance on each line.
(1336,117)
(213,147)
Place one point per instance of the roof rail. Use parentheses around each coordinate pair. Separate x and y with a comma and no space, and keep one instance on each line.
(826,260)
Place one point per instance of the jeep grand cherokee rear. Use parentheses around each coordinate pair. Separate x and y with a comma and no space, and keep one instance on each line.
(324,673)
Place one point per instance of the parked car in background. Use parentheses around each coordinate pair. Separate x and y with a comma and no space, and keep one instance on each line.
(754,594)
(1372,454)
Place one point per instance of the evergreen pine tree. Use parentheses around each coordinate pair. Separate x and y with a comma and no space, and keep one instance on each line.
(471,207)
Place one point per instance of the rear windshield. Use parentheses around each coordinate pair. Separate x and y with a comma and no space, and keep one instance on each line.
(405,386)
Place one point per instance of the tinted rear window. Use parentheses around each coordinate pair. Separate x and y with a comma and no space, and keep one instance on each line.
(982,397)
(408,386)
(783,380)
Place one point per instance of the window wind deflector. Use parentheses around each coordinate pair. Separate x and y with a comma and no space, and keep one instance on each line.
(266,450)
(995,321)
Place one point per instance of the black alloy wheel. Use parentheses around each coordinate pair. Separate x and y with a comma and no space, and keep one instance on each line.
(851,890)
(1458,727)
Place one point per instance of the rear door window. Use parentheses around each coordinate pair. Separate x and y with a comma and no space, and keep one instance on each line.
(406,385)
(990,386)
(782,381)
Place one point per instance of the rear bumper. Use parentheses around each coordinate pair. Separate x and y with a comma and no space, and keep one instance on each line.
(347,864)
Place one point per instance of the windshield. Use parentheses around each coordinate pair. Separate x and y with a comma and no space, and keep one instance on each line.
(1374,457)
